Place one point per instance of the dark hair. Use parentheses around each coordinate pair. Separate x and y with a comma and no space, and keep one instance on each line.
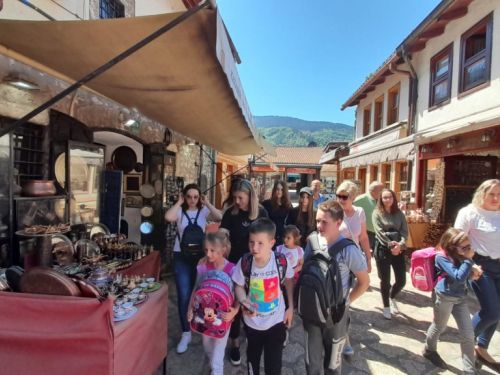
(333,208)
(285,199)
(394,206)
(294,231)
(311,212)
(263,225)
(184,205)
(451,238)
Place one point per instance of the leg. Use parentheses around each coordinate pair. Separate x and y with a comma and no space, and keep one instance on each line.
(371,239)
(183,276)
(334,340)
(314,348)
(384,274)
(273,349)
(462,317)
(442,310)
(399,267)
(254,350)
(217,354)
(208,347)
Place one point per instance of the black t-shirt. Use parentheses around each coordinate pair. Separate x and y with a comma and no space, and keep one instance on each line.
(305,230)
(238,226)
(279,217)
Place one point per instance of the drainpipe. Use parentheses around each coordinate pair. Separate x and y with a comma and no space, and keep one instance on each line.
(25,2)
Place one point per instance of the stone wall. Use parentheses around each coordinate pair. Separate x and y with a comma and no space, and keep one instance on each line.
(94,8)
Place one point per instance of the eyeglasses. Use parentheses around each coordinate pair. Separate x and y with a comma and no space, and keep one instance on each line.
(192,196)
(463,248)
(387,198)
(343,197)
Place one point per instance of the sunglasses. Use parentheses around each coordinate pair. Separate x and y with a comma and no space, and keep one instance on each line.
(463,248)
(192,196)
(343,197)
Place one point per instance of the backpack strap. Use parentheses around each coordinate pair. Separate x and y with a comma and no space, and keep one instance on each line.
(228,267)
(339,246)
(279,249)
(314,243)
(281,264)
(246,268)
(196,218)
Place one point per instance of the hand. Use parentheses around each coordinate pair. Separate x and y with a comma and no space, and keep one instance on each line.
(203,261)
(300,262)
(288,317)
(180,200)
(203,199)
(396,250)
(369,267)
(476,273)
(469,253)
(249,306)
(190,315)
(229,316)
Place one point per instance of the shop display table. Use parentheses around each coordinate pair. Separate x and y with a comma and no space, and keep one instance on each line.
(51,335)
(417,232)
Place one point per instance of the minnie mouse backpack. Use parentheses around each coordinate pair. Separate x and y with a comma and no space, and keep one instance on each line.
(213,296)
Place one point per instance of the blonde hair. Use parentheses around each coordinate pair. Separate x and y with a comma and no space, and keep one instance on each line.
(221,237)
(350,187)
(482,190)
(246,187)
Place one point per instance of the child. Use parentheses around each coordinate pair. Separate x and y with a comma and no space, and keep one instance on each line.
(454,264)
(261,298)
(291,249)
(217,248)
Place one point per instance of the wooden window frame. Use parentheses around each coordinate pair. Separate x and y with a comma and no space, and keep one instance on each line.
(384,175)
(378,120)
(485,54)
(367,117)
(374,176)
(399,179)
(435,81)
(390,110)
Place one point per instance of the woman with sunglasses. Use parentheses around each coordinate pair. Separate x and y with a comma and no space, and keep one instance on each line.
(278,208)
(481,221)
(192,204)
(391,232)
(304,215)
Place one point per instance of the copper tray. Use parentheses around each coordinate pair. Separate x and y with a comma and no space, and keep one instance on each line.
(44,280)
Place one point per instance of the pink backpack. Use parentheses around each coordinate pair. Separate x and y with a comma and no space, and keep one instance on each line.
(423,269)
(213,296)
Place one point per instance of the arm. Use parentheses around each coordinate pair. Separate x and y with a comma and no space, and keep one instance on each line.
(365,245)
(378,226)
(289,294)
(241,296)
(404,230)
(361,286)
(228,316)
(173,212)
(463,222)
(215,214)
(190,306)
(459,275)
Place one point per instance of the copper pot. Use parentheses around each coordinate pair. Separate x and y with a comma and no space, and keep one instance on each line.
(38,188)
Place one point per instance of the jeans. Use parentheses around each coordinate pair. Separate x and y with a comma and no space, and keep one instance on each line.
(444,306)
(331,339)
(185,278)
(384,274)
(487,289)
(271,342)
(214,351)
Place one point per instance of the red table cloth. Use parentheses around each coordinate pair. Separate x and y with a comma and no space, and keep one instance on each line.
(51,335)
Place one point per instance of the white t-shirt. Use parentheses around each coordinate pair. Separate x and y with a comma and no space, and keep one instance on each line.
(292,255)
(483,228)
(182,222)
(265,293)
(354,222)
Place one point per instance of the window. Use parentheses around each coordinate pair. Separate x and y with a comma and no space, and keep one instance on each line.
(401,176)
(386,175)
(374,173)
(393,107)
(367,115)
(475,55)
(441,68)
(362,178)
(379,114)
(111,9)
(349,174)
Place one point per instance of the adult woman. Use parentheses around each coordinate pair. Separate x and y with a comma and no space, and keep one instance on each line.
(304,215)
(391,232)
(192,204)
(278,208)
(237,220)
(481,221)
(354,224)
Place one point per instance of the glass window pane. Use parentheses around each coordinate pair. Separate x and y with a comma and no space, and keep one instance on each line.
(475,73)
(442,66)
(441,92)
(476,43)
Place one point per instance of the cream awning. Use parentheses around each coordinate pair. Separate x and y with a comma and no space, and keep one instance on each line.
(186,79)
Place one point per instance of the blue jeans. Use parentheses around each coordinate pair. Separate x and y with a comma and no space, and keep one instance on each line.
(487,289)
(185,278)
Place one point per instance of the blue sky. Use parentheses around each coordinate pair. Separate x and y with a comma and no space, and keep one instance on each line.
(304,61)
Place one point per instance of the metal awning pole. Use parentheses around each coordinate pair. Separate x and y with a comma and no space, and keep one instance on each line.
(105,67)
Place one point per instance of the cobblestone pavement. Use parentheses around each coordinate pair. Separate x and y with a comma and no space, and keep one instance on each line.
(381,346)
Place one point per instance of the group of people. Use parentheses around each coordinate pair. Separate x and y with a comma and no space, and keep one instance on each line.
(254,238)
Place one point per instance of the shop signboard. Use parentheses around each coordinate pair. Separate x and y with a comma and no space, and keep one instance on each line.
(267,169)
(302,170)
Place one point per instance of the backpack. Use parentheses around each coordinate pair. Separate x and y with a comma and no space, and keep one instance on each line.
(246,267)
(193,236)
(319,296)
(423,269)
(214,295)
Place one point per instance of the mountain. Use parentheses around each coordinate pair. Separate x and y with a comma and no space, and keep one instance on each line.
(289,131)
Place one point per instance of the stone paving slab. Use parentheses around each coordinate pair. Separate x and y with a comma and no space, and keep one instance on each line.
(381,346)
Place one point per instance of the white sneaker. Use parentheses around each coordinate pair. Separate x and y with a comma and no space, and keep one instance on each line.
(183,344)
(387,313)
(394,306)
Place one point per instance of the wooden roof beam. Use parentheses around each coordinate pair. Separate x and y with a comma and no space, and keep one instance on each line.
(432,33)
(379,81)
(369,89)
(416,47)
(454,14)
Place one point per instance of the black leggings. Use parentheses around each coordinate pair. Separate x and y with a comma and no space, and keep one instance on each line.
(270,342)
(398,264)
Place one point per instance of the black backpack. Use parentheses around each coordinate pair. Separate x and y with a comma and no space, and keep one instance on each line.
(193,236)
(319,296)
